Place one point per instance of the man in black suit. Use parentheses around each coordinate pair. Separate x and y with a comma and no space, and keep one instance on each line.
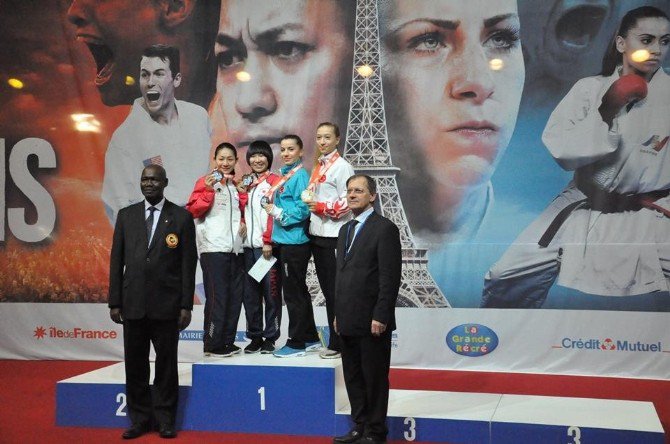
(151,285)
(368,279)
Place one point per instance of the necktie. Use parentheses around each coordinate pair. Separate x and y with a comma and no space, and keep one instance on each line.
(351,232)
(150,223)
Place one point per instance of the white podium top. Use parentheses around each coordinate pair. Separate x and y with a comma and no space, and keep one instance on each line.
(581,412)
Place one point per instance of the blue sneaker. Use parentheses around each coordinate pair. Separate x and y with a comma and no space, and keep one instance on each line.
(289,352)
(313,346)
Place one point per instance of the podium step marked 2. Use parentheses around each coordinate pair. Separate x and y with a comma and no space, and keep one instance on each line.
(306,396)
(98,398)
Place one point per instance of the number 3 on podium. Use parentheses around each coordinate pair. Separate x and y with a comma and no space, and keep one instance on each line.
(575,434)
(410,434)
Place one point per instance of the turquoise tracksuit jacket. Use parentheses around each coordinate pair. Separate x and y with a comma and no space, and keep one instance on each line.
(292,225)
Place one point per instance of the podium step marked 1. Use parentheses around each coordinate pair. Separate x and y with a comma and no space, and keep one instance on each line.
(264,394)
(306,396)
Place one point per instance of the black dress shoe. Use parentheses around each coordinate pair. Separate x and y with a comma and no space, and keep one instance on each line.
(167,431)
(135,431)
(353,436)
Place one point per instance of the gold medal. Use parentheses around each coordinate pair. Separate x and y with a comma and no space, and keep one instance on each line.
(171,240)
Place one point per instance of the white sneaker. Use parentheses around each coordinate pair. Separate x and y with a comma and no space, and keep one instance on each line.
(330,354)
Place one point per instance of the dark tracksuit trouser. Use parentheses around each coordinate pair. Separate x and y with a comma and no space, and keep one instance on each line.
(301,326)
(323,251)
(268,292)
(223,277)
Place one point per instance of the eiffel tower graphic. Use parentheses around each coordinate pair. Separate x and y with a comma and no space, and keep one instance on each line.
(367,149)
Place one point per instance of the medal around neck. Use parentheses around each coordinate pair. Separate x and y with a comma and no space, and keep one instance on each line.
(265,200)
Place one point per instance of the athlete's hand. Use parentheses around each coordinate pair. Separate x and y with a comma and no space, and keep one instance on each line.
(267,251)
(210,180)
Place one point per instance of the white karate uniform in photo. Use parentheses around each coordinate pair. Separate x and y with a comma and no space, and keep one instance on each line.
(182,148)
(611,254)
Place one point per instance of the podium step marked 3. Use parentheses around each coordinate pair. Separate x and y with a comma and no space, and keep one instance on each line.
(416,415)
(306,396)
(520,418)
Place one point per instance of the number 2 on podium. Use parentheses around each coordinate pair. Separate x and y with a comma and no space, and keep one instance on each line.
(261,393)
(121,400)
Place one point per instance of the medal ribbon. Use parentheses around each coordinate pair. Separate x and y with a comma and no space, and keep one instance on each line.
(259,179)
(318,173)
(282,181)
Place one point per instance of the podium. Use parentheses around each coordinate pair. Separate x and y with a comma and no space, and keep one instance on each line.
(305,396)
(521,418)
(264,394)
(98,398)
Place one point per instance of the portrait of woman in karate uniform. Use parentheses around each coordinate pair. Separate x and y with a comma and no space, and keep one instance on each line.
(607,232)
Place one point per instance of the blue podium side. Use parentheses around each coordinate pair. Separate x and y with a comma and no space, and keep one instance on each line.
(432,416)
(98,398)
(517,433)
(306,396)
(263,394)
(91,405)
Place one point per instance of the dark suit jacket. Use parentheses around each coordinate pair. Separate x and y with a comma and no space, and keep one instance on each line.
(368,280)
(156,282)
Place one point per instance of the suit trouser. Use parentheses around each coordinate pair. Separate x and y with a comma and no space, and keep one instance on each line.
(137,337)
(267,291)
(365,363)
(323,251)
(301,326)
(223,277)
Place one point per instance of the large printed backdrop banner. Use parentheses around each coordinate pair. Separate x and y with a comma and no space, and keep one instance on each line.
(480,120)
